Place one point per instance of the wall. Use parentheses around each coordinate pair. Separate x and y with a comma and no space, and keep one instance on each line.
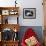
(39,12)
(7,3)
(27,4)
(27,22)
(36,29)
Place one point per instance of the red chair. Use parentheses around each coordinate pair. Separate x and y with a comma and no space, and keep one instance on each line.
(29,33)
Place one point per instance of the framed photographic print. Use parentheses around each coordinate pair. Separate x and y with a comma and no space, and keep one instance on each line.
(29,13)
(5,12)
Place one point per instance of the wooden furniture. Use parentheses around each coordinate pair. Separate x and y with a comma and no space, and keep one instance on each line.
(10,43)
(5,13)
(11,26)
(44,37)
(0,43)
(44,8)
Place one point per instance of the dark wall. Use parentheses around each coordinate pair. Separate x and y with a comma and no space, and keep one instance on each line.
(37,29)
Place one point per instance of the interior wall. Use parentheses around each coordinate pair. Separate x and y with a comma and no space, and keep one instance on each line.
(39,13)
(27,4)
(37,29)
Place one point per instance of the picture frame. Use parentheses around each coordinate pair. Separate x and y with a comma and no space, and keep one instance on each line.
(29,13)
(5,12)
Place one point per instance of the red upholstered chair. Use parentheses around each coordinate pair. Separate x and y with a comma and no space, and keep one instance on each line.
(28,34)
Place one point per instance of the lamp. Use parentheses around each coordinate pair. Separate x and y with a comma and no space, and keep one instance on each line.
(15,3)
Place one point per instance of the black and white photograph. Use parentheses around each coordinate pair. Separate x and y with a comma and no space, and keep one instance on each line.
(29,13)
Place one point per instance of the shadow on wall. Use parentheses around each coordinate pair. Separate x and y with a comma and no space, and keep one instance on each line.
(37,29)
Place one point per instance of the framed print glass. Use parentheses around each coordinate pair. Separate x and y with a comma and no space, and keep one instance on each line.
(29,13)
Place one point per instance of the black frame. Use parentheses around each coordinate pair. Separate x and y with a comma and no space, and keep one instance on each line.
(33,10)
